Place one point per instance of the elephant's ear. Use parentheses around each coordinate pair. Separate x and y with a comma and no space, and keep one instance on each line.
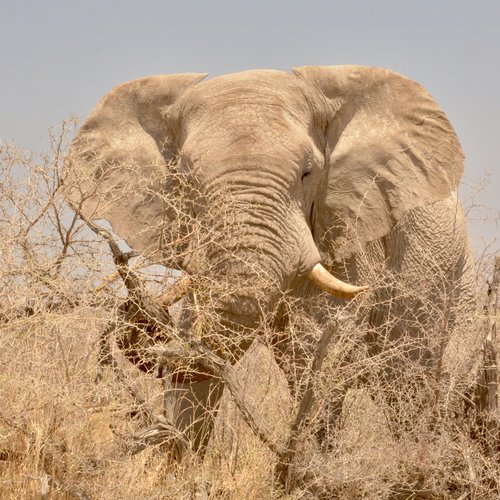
(390,149)
(116,165)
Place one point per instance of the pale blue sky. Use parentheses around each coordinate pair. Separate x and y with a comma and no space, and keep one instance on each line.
(59,57)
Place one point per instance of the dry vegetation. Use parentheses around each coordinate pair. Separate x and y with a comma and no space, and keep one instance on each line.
(71,427)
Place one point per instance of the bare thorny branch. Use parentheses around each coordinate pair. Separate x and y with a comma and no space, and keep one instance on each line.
(40,263)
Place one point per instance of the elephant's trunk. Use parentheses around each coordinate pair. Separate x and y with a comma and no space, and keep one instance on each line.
(259,244)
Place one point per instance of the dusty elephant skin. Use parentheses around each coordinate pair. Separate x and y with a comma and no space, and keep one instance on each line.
(355,168)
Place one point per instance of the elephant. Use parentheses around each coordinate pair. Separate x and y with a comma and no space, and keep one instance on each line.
(338,178)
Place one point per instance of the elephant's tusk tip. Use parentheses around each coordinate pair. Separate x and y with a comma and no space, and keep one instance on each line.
(329,283)
(349,294)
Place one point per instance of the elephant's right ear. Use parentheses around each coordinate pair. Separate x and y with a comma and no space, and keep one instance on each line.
(116,165)
(390,149)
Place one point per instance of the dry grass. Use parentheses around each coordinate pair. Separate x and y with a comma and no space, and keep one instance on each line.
(68,426)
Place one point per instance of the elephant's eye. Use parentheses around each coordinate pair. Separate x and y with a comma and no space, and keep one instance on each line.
(306,171)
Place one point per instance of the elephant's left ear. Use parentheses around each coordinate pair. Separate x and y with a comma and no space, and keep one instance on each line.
(390,147)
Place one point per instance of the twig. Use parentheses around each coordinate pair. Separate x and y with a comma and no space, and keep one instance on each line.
(487,387)
(286,458)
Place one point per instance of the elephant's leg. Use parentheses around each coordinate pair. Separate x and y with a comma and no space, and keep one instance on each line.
(195,409)
(422,331)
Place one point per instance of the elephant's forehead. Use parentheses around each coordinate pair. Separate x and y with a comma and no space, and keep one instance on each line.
(241,114)
(264,81)
(257,88)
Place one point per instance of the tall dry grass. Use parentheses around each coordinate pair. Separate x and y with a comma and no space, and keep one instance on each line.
(72,428)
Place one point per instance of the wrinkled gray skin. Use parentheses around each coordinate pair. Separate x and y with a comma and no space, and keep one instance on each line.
(354,167)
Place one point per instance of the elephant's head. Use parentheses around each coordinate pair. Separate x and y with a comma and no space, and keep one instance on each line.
(317,163)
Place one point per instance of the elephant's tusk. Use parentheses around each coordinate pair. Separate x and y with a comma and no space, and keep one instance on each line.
(329,283)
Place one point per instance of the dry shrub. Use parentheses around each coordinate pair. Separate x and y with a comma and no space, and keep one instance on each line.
(69,427)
